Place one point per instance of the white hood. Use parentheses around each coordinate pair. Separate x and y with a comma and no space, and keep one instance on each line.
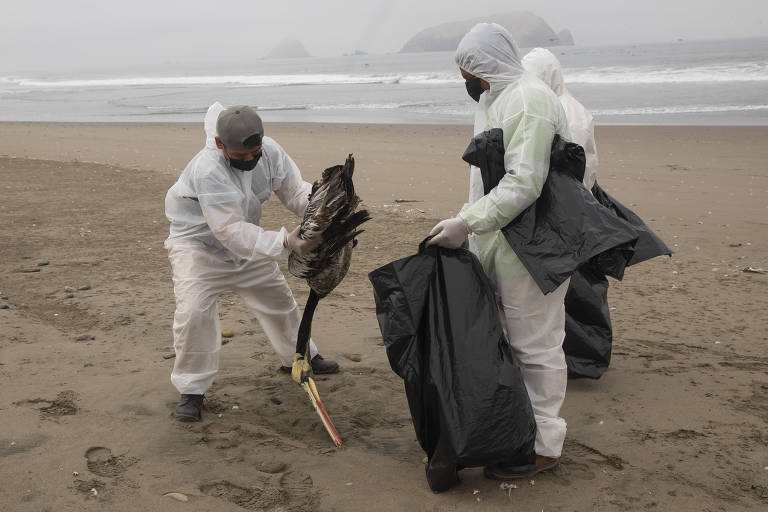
(489,52)
(543,63)
(210,123)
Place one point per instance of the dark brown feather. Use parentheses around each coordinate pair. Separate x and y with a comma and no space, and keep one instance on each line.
(331,215)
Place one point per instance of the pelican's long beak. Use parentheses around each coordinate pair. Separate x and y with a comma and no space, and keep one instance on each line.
(314,397)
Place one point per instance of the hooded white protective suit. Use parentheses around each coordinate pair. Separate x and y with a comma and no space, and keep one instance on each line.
(529,114)
(542,63)
(216,245)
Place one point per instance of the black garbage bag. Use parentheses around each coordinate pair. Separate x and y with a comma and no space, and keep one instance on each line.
(566,226)
(648,244)
(486,152)
(588,332)
(440,324)
(570,232)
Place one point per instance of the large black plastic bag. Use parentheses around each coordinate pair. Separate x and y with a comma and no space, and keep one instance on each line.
(570,232)
(588,332)
(566,226)
(648,244)
(439,321)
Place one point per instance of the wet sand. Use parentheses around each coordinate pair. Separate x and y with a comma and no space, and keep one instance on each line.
(679,422)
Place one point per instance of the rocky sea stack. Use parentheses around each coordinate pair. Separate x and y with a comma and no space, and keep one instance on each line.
(288,49)
(528,30)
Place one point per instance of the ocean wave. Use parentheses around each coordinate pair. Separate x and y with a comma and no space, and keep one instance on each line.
(237,80)
(464,109)
(735,72)
(629,75)
(442,108)
(677,109)
(201,109)
(743,72)
(357,106)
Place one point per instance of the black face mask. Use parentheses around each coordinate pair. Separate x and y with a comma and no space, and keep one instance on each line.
(243,165)
(474,88)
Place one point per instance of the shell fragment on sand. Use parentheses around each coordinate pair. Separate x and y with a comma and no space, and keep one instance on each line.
(176,496)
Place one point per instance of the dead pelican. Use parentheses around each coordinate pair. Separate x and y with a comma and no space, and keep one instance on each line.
(331,216)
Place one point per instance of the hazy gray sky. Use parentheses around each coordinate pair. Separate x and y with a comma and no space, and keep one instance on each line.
(36,34)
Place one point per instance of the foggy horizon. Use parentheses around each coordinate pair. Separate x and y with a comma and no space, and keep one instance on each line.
(87,34)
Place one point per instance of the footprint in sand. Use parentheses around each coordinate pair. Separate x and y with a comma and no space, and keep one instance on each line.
(92,488)
(291,489)
(65,404)
(271,466)
(568,470)
(578,461)
(100,461)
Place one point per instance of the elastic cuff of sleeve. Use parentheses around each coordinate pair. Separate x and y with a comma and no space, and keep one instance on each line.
(284,250)
(466,224)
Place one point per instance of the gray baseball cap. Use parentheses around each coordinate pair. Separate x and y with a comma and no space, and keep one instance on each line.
(240,127)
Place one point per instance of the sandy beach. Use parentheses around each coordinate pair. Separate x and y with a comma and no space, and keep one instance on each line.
(679,422)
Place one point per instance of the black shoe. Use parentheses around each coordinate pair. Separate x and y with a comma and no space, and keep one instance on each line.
(320,366)
(189,408)
(500,472)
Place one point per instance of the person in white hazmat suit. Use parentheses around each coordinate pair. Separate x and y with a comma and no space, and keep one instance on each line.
(530,115)
(216,244)
(543,63)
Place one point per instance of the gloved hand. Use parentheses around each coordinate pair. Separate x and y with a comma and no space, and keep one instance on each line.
(449,233)
(299,245)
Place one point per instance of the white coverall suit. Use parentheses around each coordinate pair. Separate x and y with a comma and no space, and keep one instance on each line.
(529,114)
(216,245)
(542,63)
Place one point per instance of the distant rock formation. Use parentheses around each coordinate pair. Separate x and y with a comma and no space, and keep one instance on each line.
(565,38)
(288,49)
(528,30)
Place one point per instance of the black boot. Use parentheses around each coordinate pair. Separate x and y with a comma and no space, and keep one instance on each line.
(189,408)
(320,366)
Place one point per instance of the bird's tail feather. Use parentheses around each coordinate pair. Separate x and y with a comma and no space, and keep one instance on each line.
(340,243)
(342,228)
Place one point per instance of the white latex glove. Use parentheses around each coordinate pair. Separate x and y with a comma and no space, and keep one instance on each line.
(299,245)
(449,233)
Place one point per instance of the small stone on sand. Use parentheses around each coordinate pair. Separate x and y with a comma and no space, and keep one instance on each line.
(353,357)
(85,287)
(43,263)
(226,333)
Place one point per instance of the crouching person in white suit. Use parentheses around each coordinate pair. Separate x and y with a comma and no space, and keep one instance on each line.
(217,245)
